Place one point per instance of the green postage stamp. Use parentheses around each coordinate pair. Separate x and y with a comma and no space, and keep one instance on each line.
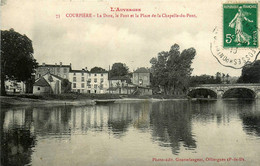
(240,25)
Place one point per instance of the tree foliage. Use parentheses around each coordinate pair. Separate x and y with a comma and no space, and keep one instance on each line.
(17,61)
(172,69)
(204,79)
(118,69)
(250,73)
(97,69)
(66,85)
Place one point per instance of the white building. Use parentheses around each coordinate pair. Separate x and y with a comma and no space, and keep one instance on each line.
(14,86)
(86,82)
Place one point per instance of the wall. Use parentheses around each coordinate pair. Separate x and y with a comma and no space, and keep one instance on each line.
(89,84)
(37,90)
(145,77)
(56,70)
(14,86)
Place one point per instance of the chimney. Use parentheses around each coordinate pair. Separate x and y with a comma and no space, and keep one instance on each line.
(43,64)
(70,64)
(60,63)
(86,68)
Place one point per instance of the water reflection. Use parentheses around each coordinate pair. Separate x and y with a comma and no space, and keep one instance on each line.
(177,126)
(17,141)
(249,112)
(172,125)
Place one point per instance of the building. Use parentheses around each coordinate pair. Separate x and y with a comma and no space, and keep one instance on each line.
(12,86)
(119,81)
(141,77)
(58,70)
(84,81)
(120,85)
(48,84)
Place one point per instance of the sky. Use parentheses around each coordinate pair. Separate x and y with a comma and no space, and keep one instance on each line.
(90,42)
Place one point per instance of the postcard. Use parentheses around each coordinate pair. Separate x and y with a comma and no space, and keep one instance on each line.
(128,82)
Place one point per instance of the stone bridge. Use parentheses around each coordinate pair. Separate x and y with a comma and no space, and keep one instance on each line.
(221,89)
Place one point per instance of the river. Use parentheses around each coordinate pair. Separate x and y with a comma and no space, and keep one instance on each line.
(180,132)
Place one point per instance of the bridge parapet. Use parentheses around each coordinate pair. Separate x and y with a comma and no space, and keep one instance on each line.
(229,85)
(220,89)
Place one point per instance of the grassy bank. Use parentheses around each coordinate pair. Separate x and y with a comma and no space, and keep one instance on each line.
(80,96)
(70,99)
(67,96)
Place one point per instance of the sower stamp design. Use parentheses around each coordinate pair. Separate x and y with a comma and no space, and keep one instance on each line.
(240,25)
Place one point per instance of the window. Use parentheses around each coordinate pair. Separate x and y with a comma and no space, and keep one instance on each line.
(95,86)
(89,74)
(82,85)
(95,75)
(82,74)
(102,80)
(74,74)
(58,69)
(39,88)
(95,80)
(82,79)
(101,86)
(74,85)
(65,70)
(74,79)
(101,74)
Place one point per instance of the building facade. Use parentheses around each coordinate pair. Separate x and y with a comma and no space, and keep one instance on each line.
(84,81)
(15,86)
(48,84)
(57,69)
(141,77)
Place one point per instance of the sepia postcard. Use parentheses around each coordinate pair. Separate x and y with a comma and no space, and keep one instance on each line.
(130,82)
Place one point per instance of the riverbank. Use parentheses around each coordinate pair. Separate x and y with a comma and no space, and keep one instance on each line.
(19,101)
(74,99)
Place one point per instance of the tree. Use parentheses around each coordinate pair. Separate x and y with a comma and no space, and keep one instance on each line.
(66,85)
(118,69)
(172,69)
(223,78)
(97,70)
(250,73)
(204,79)
(17,61)
(227,76)
(218,77)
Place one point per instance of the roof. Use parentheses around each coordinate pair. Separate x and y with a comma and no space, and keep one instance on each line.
(86,71)
(79,71)
(99,72)
(41,82)
(119,78)
(142,70)
(48,65)
(57,77)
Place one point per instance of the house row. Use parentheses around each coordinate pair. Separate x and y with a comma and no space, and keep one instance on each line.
(49,79)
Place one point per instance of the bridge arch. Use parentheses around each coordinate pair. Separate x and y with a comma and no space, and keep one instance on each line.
(202,93)
(239,92)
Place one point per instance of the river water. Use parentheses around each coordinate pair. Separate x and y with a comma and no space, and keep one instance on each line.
(222,132)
